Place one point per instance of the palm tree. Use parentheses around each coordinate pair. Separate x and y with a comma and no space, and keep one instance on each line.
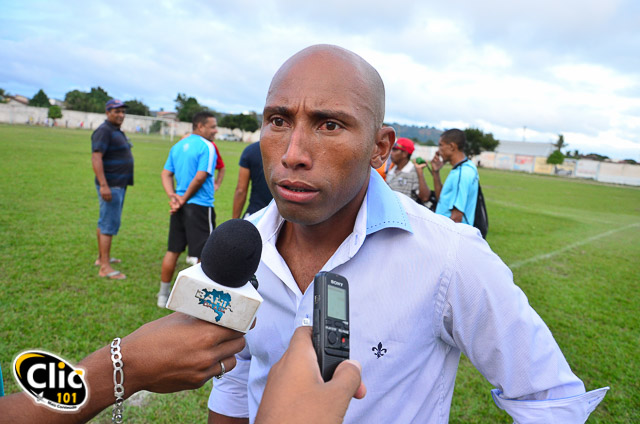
(560,144)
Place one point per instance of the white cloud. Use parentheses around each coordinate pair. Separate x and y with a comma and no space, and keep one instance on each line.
(553,67)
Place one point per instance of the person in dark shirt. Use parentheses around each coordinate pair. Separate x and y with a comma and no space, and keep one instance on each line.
(112,163)
(251,170)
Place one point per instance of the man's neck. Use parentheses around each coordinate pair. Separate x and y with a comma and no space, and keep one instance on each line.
(457,157)
(306,248)
(401,164)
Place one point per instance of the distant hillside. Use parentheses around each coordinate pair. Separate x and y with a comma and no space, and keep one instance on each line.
(422,134)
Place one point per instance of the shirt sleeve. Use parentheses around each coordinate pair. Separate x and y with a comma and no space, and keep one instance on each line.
(229,394)
(100,140)
(488,317)
(168,165)
(219,161)
(245,159)
(207,158)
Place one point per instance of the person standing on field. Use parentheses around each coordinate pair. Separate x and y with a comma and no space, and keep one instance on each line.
(406,177)
(191,161)
(251,171)
(220,167)
(112,163)
(458,196)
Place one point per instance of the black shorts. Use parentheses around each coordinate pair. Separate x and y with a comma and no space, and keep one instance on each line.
(191,226)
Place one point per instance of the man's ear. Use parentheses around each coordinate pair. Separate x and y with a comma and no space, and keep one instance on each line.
(385,139)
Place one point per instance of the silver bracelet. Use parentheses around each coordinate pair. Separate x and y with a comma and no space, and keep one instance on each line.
(118,381)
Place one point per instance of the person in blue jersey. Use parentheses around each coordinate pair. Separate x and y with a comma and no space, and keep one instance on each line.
(457,197)
(191,162)
(112,163)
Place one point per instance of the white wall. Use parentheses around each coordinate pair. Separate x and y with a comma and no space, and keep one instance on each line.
(608,172)
(16,113)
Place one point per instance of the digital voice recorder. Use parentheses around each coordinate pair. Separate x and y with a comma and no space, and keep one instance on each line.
(330,321)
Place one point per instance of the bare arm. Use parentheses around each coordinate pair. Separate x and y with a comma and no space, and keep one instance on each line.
(194,186)
(219,178)
(436,166)
(98,169)
(240,196)
(456,215)
(215,418)
(423,189)
(167,184)
(190,348)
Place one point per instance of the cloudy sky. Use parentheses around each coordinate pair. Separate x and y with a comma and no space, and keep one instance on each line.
(570,67)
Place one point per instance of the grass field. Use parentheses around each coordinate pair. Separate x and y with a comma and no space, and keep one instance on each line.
(573,247)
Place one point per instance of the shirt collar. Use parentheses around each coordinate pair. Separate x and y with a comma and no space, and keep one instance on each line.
(383,207)
(408,167)
(380,209)
(113,126)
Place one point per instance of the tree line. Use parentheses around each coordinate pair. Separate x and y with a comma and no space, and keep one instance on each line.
(95,99)
(187,106)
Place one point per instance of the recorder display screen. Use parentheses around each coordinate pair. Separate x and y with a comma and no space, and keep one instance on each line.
(336,303)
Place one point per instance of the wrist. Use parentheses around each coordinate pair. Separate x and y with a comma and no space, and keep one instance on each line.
(118,381)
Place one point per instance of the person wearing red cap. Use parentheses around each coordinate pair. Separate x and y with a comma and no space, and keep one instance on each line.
(407,177)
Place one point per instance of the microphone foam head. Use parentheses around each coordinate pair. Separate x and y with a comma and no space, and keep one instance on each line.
(232,253)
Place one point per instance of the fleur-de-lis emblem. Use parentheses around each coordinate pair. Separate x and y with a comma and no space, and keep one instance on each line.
(379,350)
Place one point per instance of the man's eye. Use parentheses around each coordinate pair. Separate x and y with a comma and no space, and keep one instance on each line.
(331,126)
(278,122)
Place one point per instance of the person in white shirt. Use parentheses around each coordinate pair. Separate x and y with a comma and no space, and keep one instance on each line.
(413,309)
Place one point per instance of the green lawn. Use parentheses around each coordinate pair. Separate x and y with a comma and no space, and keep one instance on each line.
(572,245)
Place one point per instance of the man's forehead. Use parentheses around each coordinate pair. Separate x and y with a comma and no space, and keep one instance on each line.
(327,75)
(322,81)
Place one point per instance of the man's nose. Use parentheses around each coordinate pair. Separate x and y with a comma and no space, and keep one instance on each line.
(297,155)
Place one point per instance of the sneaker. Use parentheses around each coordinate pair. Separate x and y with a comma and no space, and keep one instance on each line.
(192,260)
(162,300)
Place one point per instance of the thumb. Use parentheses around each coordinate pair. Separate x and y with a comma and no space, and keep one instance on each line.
(347,381)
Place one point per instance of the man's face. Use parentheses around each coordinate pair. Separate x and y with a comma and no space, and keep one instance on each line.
(317,139)
(398,155)
(116,116)
(446,150)
(209,129)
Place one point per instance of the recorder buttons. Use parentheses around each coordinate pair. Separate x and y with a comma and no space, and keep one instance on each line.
(333,337)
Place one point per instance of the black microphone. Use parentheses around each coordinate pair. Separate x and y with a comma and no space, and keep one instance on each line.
(219,289)
(232,253)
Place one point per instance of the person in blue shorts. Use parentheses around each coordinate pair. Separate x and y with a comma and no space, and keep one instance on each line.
(191,161)
(251,171)
(112,163)
(458,196)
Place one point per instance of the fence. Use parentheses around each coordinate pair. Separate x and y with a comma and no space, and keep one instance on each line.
(15,113)
(608,172)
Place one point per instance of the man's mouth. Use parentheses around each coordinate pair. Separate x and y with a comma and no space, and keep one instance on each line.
(296,192)
(297,189)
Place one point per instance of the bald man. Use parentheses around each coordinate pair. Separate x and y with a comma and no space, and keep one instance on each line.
(412,309)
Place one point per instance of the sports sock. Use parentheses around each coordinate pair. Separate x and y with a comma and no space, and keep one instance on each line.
(165,288)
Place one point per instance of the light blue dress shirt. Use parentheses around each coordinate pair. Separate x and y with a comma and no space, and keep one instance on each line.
(422,289)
